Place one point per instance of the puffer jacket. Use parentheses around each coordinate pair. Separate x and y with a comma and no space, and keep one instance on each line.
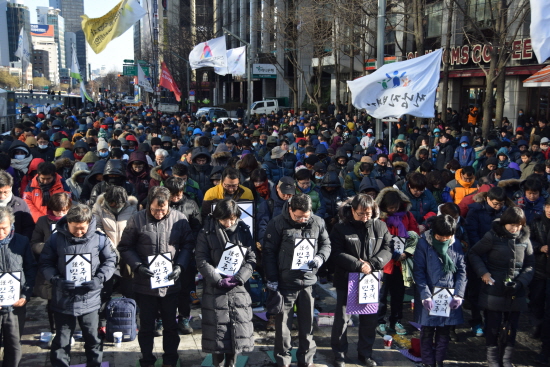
(113,167)
(91,180)
(444,155)
(33,167)
(79,168)
(42,231)
(139,180)
(24,224)
(540,236)
(275,169)
(275,202)
(332,198)
(221,156)
(318,202)
(481,216)
(279,249)
(113,225)
(145,236)
(494,254)
(201,173)
(217,193)
(226,313)
(465,156)
(460,188)
(191,210)
(352,241)
(33,195)
(422,205)
(79,301)
(428,273)
(48,154)
(17,256)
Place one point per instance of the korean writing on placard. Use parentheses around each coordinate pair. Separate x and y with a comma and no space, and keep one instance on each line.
(161,266)
(442,298)
(400,100)
(78,268)
(231,260)
(10,288)
(398,244)
(304,252)
(369,287)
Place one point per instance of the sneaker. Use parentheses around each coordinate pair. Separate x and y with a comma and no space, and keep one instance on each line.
(478,330)
(381,329)
(399,329)
(369,362)
(184,327)
(51,340)
(101,332)
(158,328)
(194,298)
(271,323)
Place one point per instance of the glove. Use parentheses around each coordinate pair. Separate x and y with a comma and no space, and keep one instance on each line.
(92,285)
(229,283)
(62,283)
(317,262)
(428,304)
(455,303)
(272,286)
(144,271)
(175,274)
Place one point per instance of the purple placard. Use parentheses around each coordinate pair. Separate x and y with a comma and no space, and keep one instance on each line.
(353,307)
(104,364)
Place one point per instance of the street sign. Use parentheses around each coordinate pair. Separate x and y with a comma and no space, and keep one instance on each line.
(191,92)
(131,70)
(127,61)
(191,98)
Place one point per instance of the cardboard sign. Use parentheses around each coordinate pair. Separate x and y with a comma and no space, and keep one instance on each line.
(161,265)
(369,287)
(248,214)
(231,260)
(398,244)
(442,298)
(78,268)
(304,252)
(10,288)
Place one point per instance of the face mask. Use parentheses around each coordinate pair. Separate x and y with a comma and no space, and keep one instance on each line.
(398,171)
(369,135)
(131,149)
(521,114)
(43,146)
(56,128)
(349,155)
(254,144)
(319,177)
(464,145)
(19,156)
(104,155)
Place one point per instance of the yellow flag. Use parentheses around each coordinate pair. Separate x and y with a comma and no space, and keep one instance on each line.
(100,31)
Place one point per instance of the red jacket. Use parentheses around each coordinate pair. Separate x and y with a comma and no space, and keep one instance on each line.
(411,225)
(33,167)
(33,195)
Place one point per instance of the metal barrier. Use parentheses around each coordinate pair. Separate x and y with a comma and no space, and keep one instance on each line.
(7,123)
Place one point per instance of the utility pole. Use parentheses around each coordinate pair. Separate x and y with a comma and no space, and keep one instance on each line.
(248,69)
(380,40)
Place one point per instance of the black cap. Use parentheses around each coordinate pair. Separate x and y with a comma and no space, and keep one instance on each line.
(287,186)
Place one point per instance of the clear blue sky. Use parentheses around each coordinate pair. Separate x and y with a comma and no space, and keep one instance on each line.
(116,51)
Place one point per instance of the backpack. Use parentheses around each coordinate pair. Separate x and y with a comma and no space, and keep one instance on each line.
(257,290)
(121,316)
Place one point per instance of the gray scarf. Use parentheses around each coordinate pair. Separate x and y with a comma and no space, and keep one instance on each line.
(21,164)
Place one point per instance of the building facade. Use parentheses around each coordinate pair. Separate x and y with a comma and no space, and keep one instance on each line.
(43,39)
(17,17)
(40,63)
(50,16)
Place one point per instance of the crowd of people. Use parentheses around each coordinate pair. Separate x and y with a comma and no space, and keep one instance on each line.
(438,208)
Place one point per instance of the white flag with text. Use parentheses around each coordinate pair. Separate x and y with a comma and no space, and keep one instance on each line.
(540,29)
(142,80)
(406,87)
(210,53)
(236,62)
(23,51)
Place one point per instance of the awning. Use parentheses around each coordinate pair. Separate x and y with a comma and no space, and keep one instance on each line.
(540,79)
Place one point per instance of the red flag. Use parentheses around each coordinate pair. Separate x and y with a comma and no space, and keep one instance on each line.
(167,82)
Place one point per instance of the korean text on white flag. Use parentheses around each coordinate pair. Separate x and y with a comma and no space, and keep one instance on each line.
(210,53)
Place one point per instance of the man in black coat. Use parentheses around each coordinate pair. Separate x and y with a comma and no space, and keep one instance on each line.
(446,151)
(294,276)
(24,224)
(360,244)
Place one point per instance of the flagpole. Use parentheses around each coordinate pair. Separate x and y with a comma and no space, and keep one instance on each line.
(380,40)
(248,68)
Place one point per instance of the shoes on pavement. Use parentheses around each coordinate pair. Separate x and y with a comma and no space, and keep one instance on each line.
(184,327)
(271,323)
(306,365)
(399,329)
(339,364)
(158,328)
(381,329)
(368,362)
(194,298)
(478,330)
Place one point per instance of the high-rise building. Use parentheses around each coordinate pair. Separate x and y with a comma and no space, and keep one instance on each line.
(40,63)
(71,10)
(18,16)
(4,45)
(51,16)
(43,39)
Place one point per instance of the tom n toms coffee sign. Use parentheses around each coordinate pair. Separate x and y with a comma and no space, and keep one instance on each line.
(265,71)
(462,55)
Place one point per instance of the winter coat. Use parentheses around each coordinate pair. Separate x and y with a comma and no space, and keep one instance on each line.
(481,216)
(428,273)
(217,193)
(146,236)
(384,174)
(113,225)
(527,169)
(465,156)
(139,180)
(352,181)
(191,210)
(33,168)
(352,241)
(113,167)
(275,202)
(48,154)
(91,180)
(332,198)
(79,301)
(317,200)
(226,313)
(470,199)
(79,168)
(278,249)
(531,208)
(201,173)
(33,195)
(540,236)
(460,188)
(24,223)
(493,254)
(445,154)
(42,232)
(221,156)
(275,169)
(422,205)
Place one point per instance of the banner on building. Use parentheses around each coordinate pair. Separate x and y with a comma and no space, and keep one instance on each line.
(142,80)
(42,30)
(100,31)
(167,81)
(210,53)
(406,87)
(540,29)
(236,62)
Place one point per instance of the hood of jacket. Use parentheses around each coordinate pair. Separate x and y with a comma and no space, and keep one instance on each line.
(18,144)
(465,139)
(406,206)
(33,166)
(402,165)
(68,154)
(417,154)
(331,180)
(221,152)
(340,152)
(79,168)
(114,167)
(63,163)
(369,183)
(201,151)
(98,168)
(137,156)
(321,149)
(345,214)
(90,157)
(168,162)
(356,169)
(461,181)
(132,200)
(81,144)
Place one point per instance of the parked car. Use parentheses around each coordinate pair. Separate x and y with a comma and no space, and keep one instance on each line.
(211,112)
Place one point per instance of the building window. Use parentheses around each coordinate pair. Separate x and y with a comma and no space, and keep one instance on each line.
(434,15)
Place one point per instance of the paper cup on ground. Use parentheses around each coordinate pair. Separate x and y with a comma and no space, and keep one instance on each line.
(45,336)
(117,337)
(387,341)
(412,304)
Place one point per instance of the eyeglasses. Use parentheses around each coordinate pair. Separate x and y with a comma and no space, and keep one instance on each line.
(497,203)
(299,219)
(161,210)
(468,179)
(230,186)
(364,214)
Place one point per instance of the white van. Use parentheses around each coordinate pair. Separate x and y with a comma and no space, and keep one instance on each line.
(267,106)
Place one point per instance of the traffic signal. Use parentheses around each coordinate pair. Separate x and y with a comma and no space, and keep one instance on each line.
(119,75)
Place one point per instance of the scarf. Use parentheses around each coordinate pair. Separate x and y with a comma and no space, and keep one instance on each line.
(22,164)
(503,164)
(263,190)
(52,216)
(8,199)
(46,190)
(396,220)
(441,249)
(7,240)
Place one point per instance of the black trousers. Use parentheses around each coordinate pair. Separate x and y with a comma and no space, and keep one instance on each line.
(60,354)
(218,359)
(187,280)
(393,285)
(106,293)
(339,334)
(493,321)
(149,307)
(545,330)
(12,323)
(434,342)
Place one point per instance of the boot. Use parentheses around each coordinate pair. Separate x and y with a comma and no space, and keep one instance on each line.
(507,358)
(492,357)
